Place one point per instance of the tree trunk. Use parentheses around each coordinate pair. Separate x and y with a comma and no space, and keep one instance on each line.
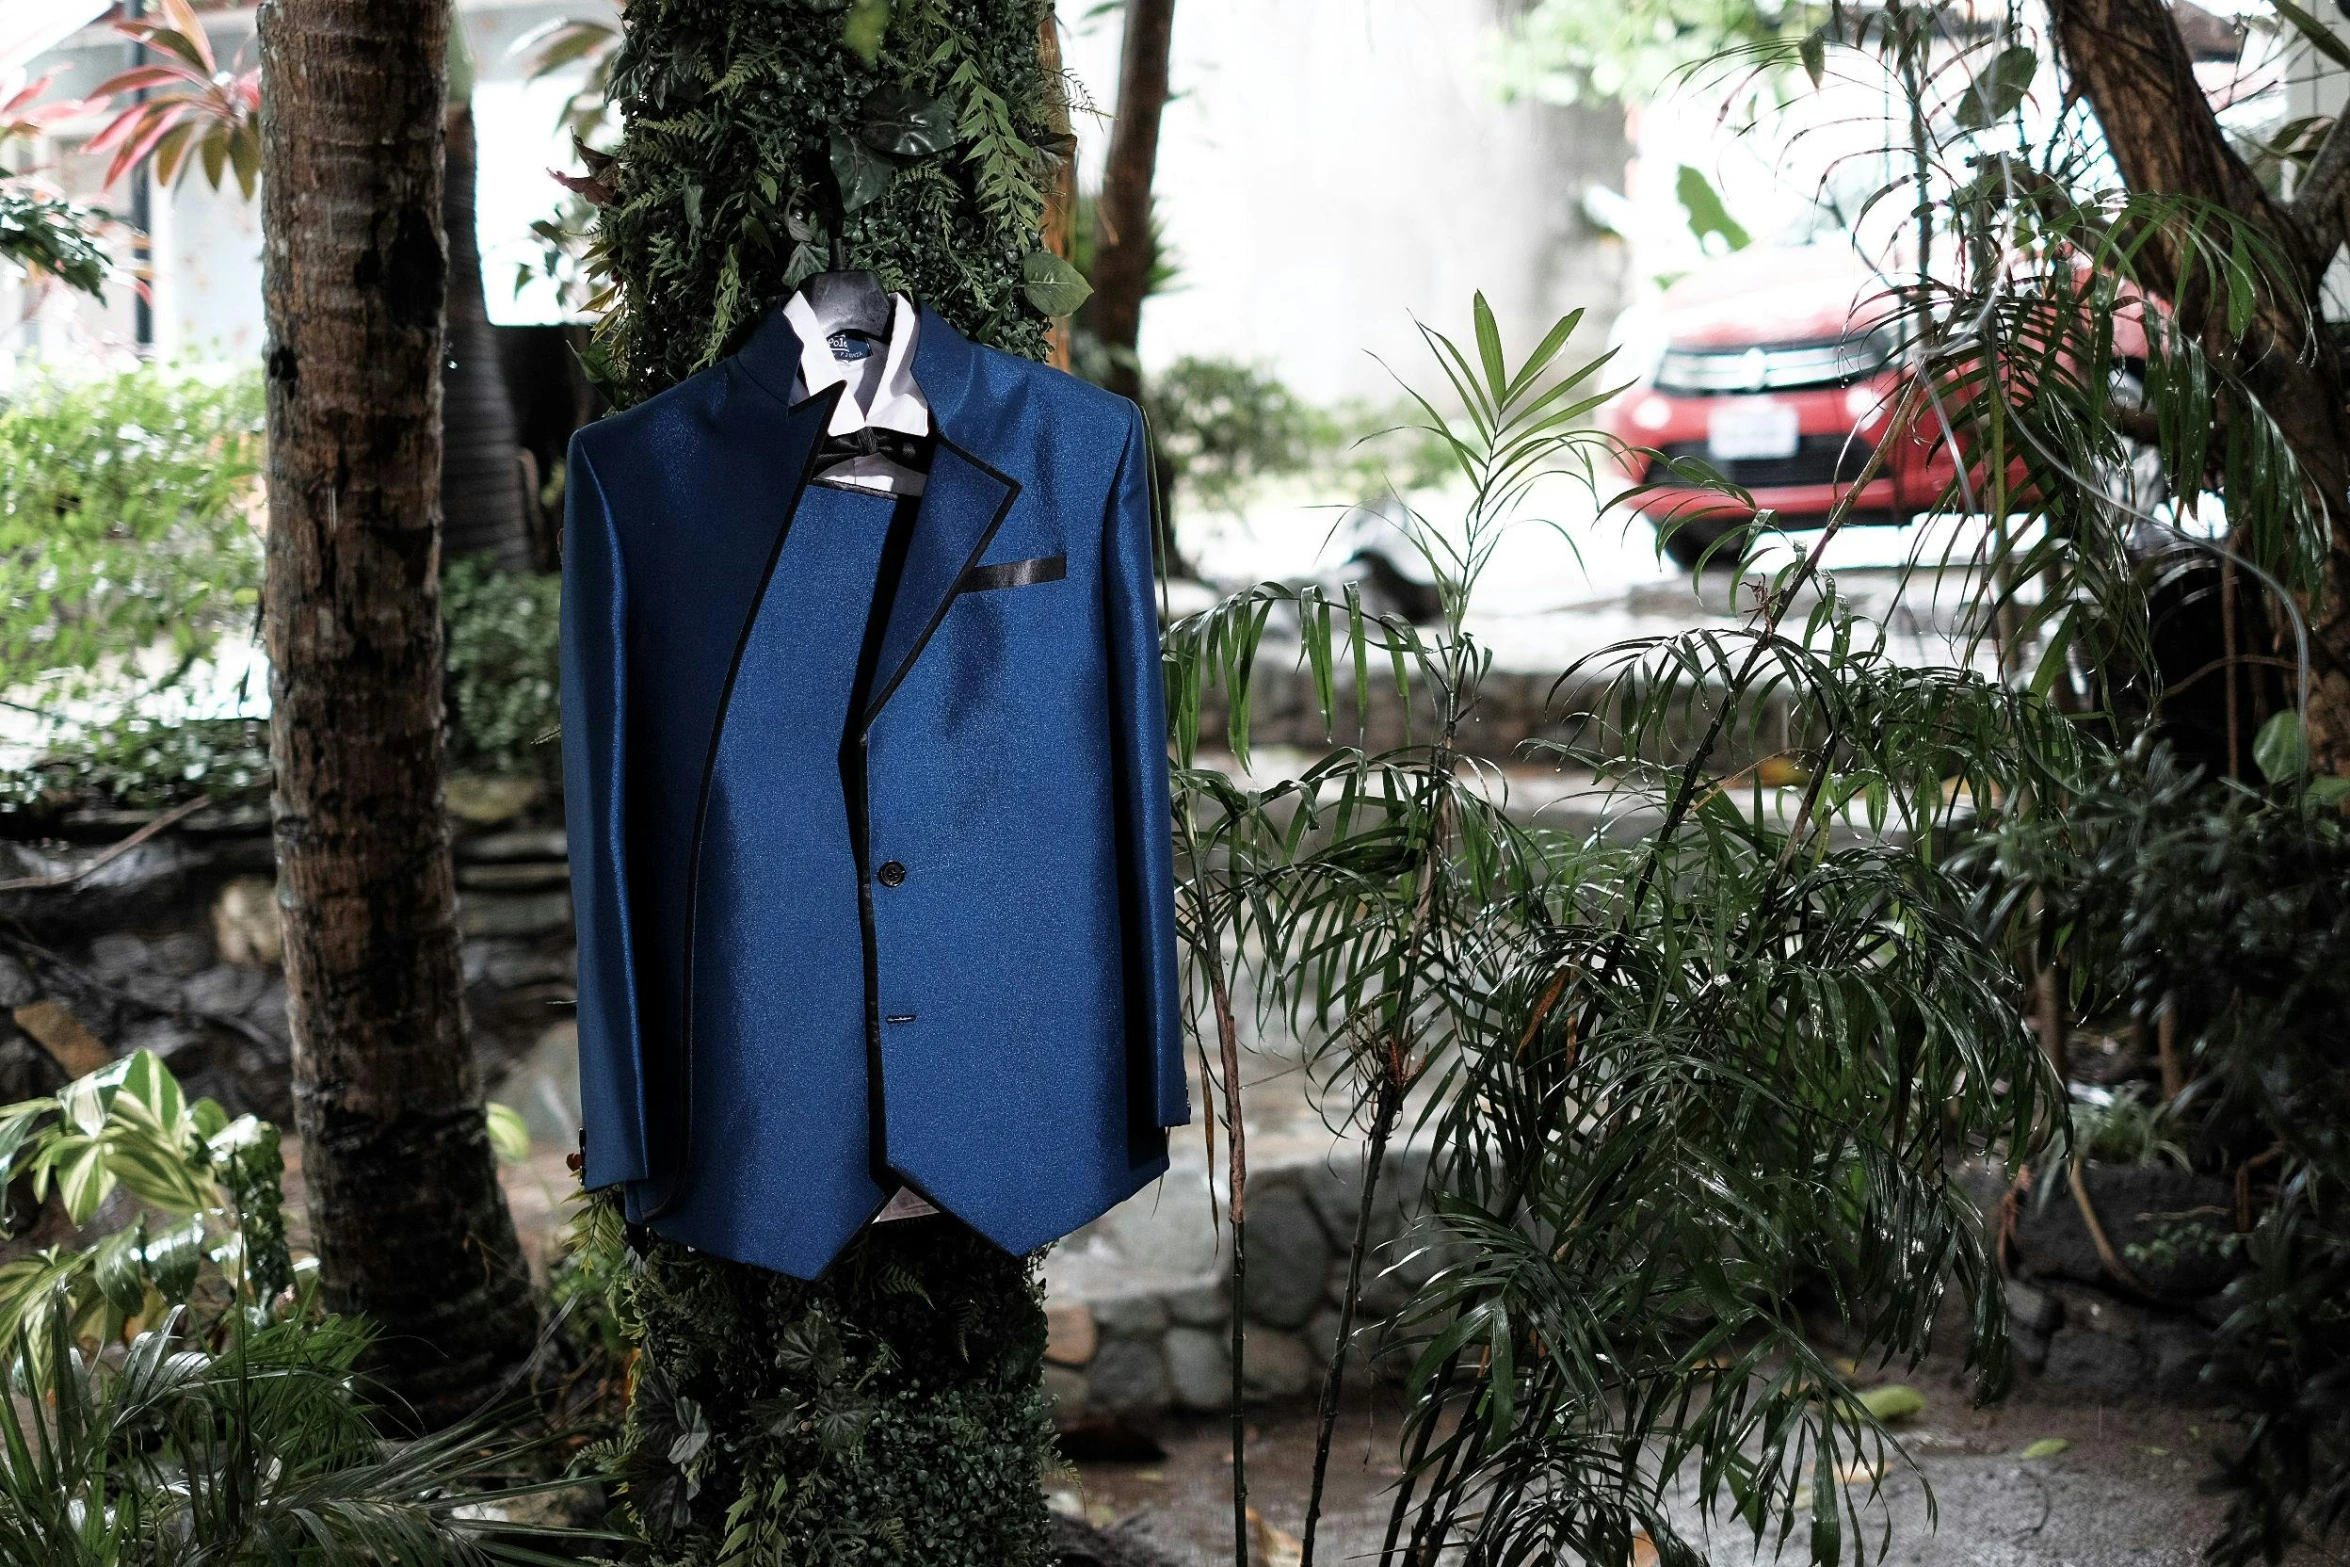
(1124,252)
(483,509)
(2129,60)
(922,1345)
(412,1229)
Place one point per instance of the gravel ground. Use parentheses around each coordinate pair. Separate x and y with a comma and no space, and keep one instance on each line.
(2125,1492)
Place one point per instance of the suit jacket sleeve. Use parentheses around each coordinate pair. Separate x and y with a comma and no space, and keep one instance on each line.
(595,705)
(1138,704)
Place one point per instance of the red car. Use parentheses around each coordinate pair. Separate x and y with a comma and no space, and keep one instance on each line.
(1778,368)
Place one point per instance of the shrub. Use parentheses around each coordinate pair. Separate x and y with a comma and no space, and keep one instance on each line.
(503,654)
(126,527)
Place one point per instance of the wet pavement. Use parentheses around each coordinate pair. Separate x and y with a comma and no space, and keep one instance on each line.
(2124,1491)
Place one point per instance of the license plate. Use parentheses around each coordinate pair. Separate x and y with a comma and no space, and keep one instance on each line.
(1750,429)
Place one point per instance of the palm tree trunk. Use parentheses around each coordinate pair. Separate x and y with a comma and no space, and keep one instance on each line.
(1124,253)
(412,1228)
(483,508)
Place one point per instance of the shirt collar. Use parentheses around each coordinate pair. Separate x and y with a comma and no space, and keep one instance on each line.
(897,403)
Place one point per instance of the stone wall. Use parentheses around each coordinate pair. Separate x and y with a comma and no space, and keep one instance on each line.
(173,946)
(1130,1340)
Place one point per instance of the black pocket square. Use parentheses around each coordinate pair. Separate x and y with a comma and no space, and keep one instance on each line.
(1016,573)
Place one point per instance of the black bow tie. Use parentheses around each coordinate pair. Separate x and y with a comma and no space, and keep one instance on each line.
(907,451)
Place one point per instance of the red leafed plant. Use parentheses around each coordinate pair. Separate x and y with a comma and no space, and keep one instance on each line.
(24,116)
(194,110)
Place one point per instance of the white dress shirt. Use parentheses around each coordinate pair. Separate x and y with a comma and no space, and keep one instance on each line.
(881,391)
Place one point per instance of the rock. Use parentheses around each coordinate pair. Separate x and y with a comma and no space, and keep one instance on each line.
(70,1044)
(115,957)
(1126,1375)
(16,983)
(486,801)
(544,1087)
(2097,1362)
(1321,1335)
(1199,1364)
(515,876)
(182,953)
(2031,1349)
(1065,1391)
(267,1011)
(1276,1365)
(527,843)
(1201,1306)
(1141,1314)
(2180,1351)
(1288,1256)
(1076,1543)
(1070,1336)
(182,1047)
(223,990)
(2168,1227)
(512,965)
(26,1070)
(516,914)
(246,925)
(156,992)
(2031,1308)
(1170,1230)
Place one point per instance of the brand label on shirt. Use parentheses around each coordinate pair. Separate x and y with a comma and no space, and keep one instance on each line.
(847,347)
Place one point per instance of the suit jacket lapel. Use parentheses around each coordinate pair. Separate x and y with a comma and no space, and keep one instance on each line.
(963,503)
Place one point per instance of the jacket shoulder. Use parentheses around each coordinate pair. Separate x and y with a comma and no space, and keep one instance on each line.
(1059,393)
(659,423)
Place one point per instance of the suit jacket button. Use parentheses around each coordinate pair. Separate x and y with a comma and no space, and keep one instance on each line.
(892,874)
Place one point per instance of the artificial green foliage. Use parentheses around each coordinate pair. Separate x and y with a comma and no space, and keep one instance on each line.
(756,140)
(127,528)
(889,1413)
(501,663)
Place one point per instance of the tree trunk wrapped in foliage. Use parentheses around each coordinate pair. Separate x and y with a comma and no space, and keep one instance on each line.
(893,1410)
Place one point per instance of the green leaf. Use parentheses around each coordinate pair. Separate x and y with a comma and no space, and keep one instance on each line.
(1489,355)
(2328,791)
(173,1257)
(1998,87)
(509,1135)
(1053,286)
(151,1098)
(2047,1447)
(2281,750)
(1814,53)
(867,24)
(84,1177)
(864,174)
(1707,214)
(1894,1401)
(907,124)
(121,1268)
(2319,36)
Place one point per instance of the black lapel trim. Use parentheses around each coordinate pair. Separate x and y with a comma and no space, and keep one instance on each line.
(1015,574)
(986,537)
(829,397)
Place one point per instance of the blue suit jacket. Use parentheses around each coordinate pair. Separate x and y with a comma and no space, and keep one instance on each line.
(1006,878)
